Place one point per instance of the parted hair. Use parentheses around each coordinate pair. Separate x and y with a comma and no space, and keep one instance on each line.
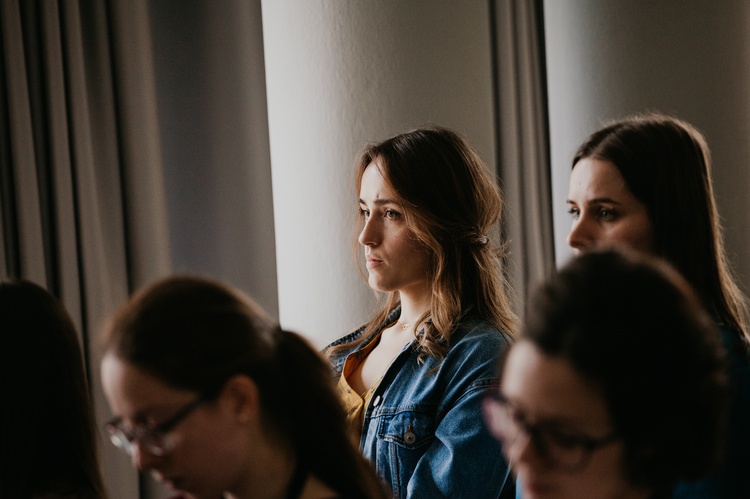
(195,333)
(633,328)
(452,205)
(666,164)
(47,430)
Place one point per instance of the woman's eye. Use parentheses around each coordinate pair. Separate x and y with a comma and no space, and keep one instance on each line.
(574,213)
(148,424)
(606,214)
(364,213)
(391,214)
(518,418)
(566,441)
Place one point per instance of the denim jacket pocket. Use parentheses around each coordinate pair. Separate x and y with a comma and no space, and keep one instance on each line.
(405,436)
(409,430)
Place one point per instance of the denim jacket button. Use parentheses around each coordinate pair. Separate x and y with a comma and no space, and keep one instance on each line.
(410,437)
(376,401)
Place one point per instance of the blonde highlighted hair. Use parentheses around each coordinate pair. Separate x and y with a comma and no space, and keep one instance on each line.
(452,205)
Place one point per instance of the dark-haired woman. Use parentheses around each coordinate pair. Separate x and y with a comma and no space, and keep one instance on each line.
(47,432)
(616,388)
(645,183)
(215,400)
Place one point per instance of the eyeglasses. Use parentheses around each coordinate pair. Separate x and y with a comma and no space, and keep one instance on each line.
(154,439)
(562,449)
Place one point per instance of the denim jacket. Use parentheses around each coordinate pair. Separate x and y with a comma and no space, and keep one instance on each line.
(424,428)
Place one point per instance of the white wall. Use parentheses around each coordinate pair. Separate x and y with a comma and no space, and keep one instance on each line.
(340,74)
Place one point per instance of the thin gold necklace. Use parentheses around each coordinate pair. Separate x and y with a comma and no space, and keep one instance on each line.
(404,325)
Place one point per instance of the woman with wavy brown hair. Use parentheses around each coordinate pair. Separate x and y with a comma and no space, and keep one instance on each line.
(413,376)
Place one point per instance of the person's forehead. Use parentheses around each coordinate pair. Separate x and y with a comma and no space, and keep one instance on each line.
(132,390)
(549,388)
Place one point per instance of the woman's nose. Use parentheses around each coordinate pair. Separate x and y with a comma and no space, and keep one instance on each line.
(580,236)
(370,234)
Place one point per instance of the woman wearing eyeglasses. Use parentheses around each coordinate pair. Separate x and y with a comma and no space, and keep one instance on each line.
(215,400)
(616,387)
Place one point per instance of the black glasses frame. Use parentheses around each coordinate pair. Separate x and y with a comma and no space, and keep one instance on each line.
(539,436)
(123,439)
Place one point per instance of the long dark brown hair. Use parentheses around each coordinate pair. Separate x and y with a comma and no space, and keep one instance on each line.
(194,334)
(452,205)
(47,430)
(666,164)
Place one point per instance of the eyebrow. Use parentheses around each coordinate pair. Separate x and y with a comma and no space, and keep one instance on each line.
(595,201)
(557,421)
(380,202)
(139,417)
(114,421)
(565,421)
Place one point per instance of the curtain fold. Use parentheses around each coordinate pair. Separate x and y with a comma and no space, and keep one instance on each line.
(28,226)
(79,138)
(523,143)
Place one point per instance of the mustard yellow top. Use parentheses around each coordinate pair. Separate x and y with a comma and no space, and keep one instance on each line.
(355,403)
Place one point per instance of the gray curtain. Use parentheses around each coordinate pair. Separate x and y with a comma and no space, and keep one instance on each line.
(523,143)
(80,177)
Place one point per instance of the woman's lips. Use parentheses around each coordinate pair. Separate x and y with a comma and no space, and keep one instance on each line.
(373,262)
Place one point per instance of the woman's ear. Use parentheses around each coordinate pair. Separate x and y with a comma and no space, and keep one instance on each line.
(242,395)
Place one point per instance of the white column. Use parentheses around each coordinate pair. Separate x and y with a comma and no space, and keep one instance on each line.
(340,74)
(610,59)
